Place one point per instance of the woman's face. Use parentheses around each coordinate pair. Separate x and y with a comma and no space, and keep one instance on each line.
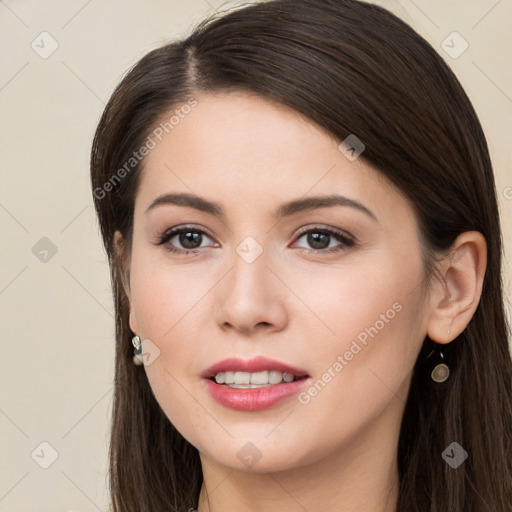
(269,277)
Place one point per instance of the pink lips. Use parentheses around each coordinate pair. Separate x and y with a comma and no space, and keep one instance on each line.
(253,399)
(258,364)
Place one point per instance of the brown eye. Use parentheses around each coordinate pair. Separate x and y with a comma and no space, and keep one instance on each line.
(320,240)
(188,238)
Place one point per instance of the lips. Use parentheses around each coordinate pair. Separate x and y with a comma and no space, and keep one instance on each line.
(257,364)
(254,400)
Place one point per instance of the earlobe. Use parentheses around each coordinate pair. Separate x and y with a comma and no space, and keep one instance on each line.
(455,299)
(132,322)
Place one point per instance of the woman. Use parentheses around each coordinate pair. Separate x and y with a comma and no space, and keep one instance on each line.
(299,210)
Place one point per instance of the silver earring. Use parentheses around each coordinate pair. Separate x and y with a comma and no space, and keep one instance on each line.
(137,353)
(440,372)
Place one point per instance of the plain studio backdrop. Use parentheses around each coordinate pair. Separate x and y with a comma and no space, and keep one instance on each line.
(60,63)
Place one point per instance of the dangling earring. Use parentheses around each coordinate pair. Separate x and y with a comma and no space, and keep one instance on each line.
(137,353)
(440,372)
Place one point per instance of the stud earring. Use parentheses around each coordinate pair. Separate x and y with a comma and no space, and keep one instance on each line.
(137,352)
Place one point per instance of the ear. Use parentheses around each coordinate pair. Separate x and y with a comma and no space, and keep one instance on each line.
(455,297)
(122,263)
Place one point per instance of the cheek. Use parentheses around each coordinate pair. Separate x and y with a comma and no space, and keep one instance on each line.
(170,302)
(164,295)
(344,301)
(363,373)
(165,308)
(366,331)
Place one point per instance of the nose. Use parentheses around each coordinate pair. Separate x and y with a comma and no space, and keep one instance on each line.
(251,298)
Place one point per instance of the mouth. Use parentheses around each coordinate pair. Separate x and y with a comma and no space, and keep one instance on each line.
(257,372)
(253,385)
(252,380)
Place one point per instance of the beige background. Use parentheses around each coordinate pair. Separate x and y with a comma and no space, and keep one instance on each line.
(56,316)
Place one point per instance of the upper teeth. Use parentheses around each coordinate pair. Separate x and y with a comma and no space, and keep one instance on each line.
(258,378)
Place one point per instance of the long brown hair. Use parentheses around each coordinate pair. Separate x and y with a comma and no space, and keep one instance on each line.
(352,68)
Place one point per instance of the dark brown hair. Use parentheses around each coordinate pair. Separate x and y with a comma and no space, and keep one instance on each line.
(352,68)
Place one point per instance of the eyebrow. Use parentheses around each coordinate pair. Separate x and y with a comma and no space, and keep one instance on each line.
(285,210)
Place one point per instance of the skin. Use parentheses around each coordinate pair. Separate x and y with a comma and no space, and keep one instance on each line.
(337,452)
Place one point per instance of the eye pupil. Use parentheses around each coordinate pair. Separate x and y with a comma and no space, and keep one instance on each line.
(192,237)
(317,240)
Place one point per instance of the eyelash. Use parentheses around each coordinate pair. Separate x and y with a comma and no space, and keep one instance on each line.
(345,240)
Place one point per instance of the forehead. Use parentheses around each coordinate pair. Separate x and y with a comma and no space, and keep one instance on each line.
(244,148)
